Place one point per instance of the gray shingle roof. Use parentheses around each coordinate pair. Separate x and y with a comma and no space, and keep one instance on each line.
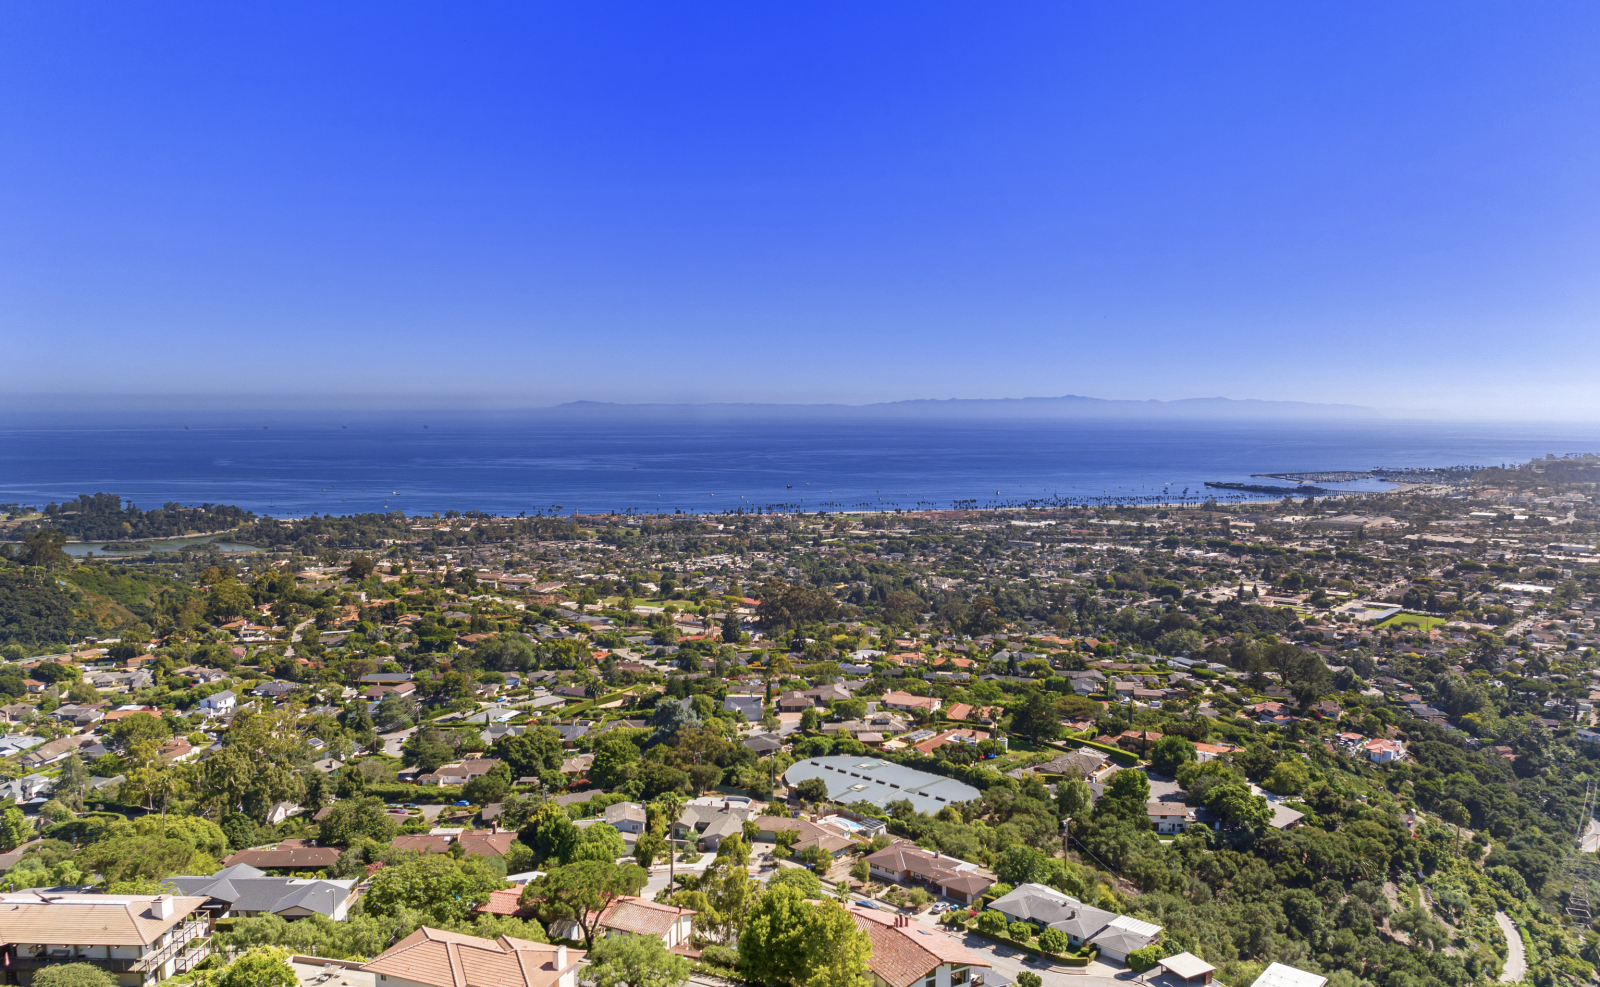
(245,889)
(1037,903)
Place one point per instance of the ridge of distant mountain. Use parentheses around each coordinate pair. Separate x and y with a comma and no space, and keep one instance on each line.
(1065,406)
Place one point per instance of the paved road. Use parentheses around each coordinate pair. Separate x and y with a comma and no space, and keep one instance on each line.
(1516,961)
(392,741)
(1591,838)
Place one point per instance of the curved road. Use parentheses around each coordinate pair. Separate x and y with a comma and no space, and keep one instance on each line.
(1516,960)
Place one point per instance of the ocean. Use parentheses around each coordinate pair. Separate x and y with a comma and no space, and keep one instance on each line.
(291,465)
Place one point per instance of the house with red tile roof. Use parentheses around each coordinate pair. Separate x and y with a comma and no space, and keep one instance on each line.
(903,862)
(905,700)
(952,737)
(907,953)
(435,958)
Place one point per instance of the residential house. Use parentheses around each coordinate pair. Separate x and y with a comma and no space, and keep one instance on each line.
(26,788)
(137,939)
(1206,752)
(375,693)
(762,743)
(1114,935)
(903,862)
(275,690)
(577,766)
(459,774)
(964,711)
(473,842)
(810,834)
(243,890)
(711,824)
(751,706)
(906,701)
(642,917)
(882,724)
(909,954)
(1169,817)
(219,703)
(16,745)
(938,740)
(626,817)
(80,716)
(434,958)
(200,675)
(282,811)
(123,712)
(1123,935)
(1082,763)
(286,855)
(15,712)
(121,681)
(1280,975)
(1382,750)
(55,750)
(1138,740)
(792,702)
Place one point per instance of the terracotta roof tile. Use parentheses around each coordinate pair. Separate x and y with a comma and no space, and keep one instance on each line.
(449,959)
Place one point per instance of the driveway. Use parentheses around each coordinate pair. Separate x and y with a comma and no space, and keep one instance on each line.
(392,741)
(1516,960)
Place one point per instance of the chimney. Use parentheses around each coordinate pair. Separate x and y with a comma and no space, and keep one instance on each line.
(561,957)
(163,906)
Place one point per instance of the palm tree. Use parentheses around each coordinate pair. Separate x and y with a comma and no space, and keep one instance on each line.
(670,805)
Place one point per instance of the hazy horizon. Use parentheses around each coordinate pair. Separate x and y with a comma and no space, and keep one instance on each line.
(20,409)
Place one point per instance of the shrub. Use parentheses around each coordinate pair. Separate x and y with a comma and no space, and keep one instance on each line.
(73,975)
(720,956)
(1141,960)
(992,923)
(1055,941)
(1020,931)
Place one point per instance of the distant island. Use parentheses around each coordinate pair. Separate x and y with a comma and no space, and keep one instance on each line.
(1065,406)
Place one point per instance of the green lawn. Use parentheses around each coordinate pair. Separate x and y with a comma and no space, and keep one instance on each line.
(1417,620)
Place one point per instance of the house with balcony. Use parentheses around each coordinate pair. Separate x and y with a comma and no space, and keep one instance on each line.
(138,939)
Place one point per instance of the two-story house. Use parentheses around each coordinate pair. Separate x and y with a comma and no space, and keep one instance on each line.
(137,939)
(219,703)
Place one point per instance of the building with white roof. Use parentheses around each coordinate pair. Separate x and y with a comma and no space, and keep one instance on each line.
(1280,975)
(866,779)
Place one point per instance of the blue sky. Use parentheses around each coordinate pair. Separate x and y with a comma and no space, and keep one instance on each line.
(524,204)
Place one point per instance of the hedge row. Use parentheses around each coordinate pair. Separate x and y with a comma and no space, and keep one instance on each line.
(1127,759)
(420,794)
(1028,947)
